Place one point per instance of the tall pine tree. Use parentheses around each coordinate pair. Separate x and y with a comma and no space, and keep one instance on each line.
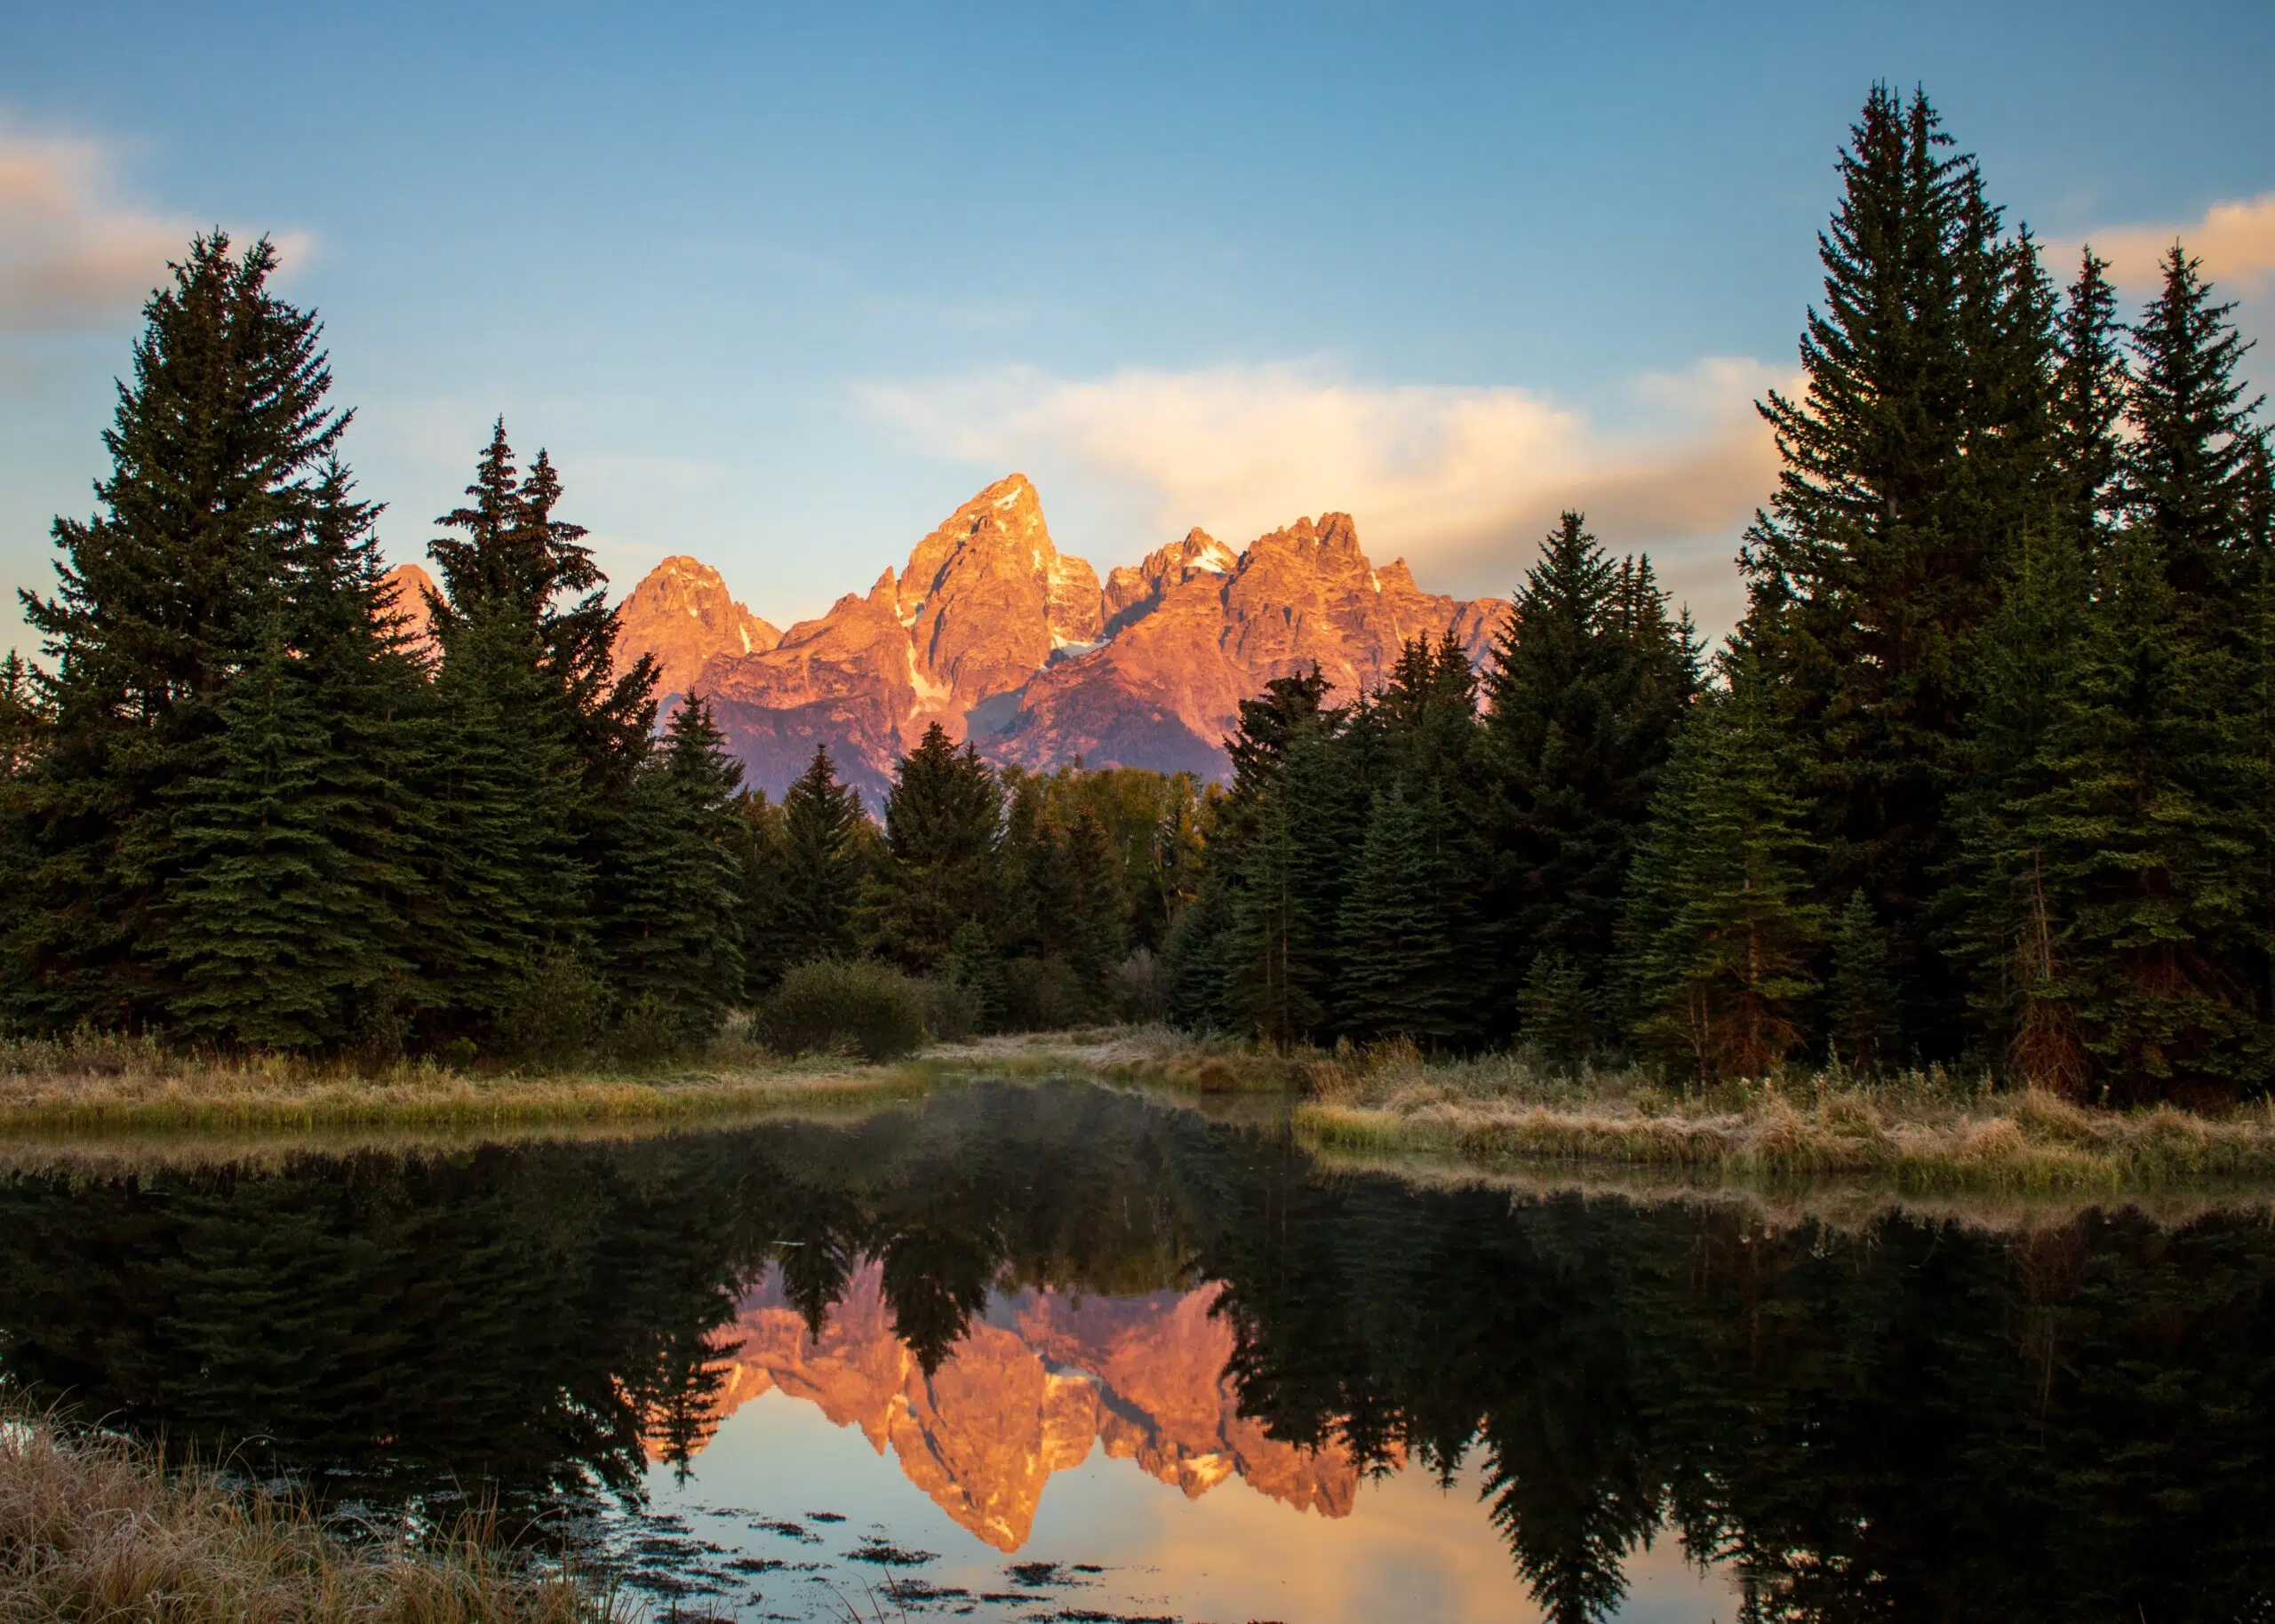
(218,452)
(1910,466)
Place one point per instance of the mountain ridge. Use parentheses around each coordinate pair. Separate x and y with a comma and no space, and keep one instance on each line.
(1010,644)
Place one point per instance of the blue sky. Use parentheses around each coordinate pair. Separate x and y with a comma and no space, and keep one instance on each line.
(780,287)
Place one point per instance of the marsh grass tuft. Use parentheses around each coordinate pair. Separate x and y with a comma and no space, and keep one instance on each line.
(105,1082)
(96,1526)
(1924,1129)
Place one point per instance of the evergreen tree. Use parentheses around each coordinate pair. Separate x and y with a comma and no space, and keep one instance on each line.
(1910,466)
(2091,383)
(218,449)
(2143,873)
(816,878)
(537,747)
(508,889)
(1860,999)
(1720,931)
(1097,923)
(1401,926)
(22,722)
(2137,836)
(1273,983)
(270,938)
(1217,953)
(1589,678)
(675,942)
(943,823)
(2186,474)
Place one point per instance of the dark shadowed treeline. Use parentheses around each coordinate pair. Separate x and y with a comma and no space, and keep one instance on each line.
(1908,1419)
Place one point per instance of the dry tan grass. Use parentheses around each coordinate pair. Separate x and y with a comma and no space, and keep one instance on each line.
(1924,1130)
(95,1527)
(111,1084)
(1157,1054)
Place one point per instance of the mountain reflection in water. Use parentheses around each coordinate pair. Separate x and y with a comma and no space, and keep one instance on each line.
(1905,1417)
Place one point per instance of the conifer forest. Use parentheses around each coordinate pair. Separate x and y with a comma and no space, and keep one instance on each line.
(1984,776)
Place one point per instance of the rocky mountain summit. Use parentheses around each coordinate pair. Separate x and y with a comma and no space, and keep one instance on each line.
(681,613)
(1003,639)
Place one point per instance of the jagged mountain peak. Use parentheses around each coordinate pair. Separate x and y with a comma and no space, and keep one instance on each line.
(995,633)
(682,614)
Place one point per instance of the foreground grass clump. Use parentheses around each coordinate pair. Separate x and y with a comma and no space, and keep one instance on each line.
(104,1082)
(1923,1129)
(94,1527)
(859,1006)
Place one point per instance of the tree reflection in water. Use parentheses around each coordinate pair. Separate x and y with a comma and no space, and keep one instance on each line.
(1908,1419)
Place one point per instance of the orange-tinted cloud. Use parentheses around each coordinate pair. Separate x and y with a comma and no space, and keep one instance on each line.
(1461,482)
(74,252)
(2236,242)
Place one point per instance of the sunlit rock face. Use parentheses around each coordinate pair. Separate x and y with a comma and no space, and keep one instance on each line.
(410,585)
(1005,641)
(682,614)
(1198,631)
(1028,1391)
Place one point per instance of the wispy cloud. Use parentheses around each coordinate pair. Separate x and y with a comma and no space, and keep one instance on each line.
(1461,482)
(76,251)
(2236,242)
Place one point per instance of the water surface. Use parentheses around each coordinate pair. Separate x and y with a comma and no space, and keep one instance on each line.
(1061,1353)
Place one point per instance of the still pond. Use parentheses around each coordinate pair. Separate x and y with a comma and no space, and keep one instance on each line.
(1062,1353)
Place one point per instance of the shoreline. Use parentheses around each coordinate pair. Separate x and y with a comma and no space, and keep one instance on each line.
(1488,1115)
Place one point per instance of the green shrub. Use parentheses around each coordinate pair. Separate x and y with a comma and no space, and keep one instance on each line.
(1044,995)
(556,1012)
(853,1006)
(651,1027)
(954,1009)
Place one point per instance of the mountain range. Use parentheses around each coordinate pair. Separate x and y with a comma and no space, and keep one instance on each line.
(1028,1391)
(1009,643)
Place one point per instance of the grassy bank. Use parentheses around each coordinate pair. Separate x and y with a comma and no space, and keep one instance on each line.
(1920,1131)
(112,1085)
(94,1527)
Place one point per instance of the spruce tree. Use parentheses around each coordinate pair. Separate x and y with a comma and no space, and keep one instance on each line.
(1402,929)
(1860,1000)
(538,746)
(1911,465)
(267,933)
(508,889)
(816,878)
(2139,872)
(1272,985)
(1097,933)
(943,824)
(1720,930)
(2091,383)
(1589,678)
(1217,947)
(2137,835)
(673,939)
(2186,473)
(218,452)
